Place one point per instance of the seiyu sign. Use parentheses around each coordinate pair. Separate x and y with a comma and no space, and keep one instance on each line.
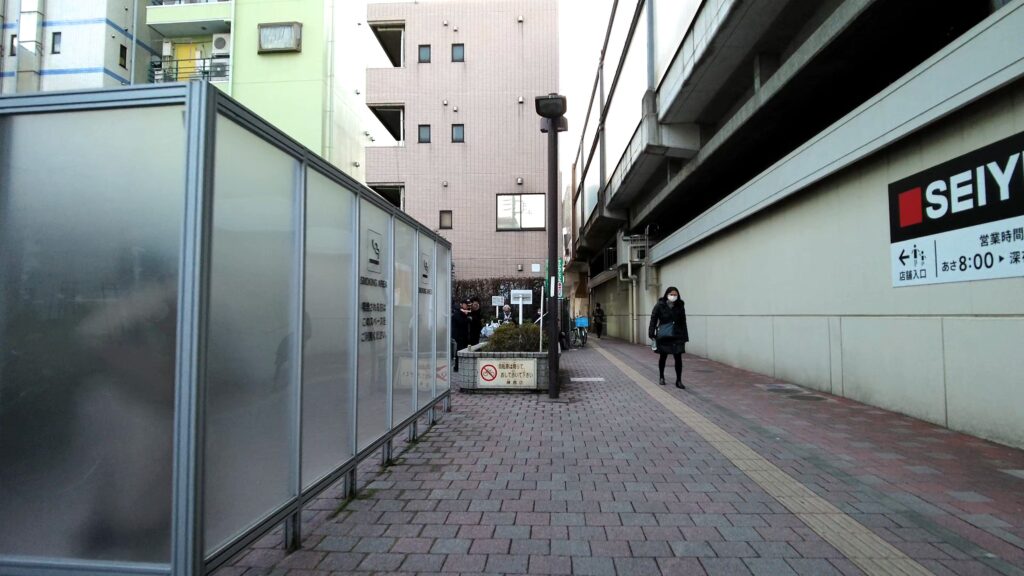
(961,220)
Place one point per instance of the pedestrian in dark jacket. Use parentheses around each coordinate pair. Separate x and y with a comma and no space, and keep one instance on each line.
(668,330)
(460,325)
(476,324)
(598,320)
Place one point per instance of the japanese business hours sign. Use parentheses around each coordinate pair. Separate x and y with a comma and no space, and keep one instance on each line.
(961,220)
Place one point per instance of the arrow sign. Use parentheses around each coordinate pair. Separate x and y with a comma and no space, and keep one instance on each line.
(1001,258)
(903,257)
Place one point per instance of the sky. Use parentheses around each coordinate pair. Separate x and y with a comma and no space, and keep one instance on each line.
(581,28)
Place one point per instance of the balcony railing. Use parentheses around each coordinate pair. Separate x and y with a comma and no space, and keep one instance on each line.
(212,69)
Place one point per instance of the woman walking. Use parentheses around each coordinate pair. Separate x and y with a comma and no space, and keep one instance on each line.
(668,330)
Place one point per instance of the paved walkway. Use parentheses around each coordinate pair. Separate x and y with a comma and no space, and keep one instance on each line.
(737,474)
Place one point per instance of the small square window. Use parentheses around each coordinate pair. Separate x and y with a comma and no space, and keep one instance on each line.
(122,57)
(280,37)
(446,220)
(458,52)
(55,43)
(458,132)
(424,134)
(14,45)
(424,53)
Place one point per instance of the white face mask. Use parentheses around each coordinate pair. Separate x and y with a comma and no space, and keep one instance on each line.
(672,298)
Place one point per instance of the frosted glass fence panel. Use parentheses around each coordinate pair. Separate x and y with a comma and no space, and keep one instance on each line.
(403,396)
(329,342)
(91,210)
(442,306)
(426,321)
(162,248)
(374,333)
(626,103)
(250,351)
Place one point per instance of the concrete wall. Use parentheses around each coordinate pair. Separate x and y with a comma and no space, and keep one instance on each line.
(803,292)
(285,88)
(505,60)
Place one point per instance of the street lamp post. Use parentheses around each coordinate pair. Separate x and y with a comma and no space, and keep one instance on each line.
(552,109)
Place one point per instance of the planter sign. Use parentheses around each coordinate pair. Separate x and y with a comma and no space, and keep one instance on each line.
(506,373)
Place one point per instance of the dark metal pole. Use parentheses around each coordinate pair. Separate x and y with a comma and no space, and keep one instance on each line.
(552,295)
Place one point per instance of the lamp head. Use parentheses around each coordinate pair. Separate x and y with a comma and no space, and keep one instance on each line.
(550,106)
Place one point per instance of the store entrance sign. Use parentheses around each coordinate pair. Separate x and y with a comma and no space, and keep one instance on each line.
(961,220)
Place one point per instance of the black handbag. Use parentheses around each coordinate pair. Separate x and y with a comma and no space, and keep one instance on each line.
(666,330)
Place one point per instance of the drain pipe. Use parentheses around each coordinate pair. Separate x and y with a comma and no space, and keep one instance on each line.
(3,20)
(631,278)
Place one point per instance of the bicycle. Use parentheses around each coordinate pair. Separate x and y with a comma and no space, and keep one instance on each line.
(578,336)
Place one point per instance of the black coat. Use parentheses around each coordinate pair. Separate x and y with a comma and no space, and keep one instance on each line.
(476,325)
(662,314)
(460,328)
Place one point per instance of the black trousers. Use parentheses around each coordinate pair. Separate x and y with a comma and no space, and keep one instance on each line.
(679,365)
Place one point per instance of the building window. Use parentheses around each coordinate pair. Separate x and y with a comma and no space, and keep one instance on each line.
(424,53)
(280,37)
(122,58)
(424,135)
(446,220)
(55,43)
(520,211)
(458,52)
(14,45)
(458,132)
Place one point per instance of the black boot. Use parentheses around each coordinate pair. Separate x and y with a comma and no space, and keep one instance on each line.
(661,380)
(679,384)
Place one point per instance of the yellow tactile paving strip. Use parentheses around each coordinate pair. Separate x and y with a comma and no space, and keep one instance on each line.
(862,546)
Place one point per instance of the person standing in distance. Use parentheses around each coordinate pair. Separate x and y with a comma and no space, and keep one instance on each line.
(668,330)
(506,316)
(598,320)
(476,324)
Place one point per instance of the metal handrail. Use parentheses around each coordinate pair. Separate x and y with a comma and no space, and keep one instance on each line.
(213,69)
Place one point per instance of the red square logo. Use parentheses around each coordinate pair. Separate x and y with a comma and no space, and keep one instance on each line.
(910,208)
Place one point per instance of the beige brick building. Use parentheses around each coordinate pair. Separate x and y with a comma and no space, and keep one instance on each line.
(471,159)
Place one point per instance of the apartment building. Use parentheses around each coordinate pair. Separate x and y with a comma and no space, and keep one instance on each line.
(458,99)
(835,188)
(55,45)
(298,63)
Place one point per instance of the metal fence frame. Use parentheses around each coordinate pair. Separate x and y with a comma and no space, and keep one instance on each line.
(203,103)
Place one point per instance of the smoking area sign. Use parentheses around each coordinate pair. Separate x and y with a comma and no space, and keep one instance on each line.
(962,220)
(507,373)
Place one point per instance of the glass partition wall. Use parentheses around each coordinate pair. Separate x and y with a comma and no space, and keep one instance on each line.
(202,326)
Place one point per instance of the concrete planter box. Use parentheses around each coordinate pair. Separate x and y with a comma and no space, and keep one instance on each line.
(501,371)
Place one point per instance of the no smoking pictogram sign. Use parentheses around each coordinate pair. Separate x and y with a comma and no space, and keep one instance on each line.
(488,372)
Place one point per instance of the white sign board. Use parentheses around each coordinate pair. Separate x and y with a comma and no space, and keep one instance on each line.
(961,255)
(506,373)
(962,220)
(522,296)
(497,301)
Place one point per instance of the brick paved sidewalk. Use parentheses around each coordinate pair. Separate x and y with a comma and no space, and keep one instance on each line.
(614,482)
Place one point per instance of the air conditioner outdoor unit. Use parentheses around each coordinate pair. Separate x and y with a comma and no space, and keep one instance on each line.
(168,51)
(222,44)
(219,69)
